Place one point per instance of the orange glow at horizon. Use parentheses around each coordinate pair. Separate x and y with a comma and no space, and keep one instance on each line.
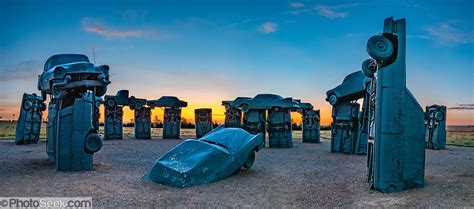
(217,114)
(454,117)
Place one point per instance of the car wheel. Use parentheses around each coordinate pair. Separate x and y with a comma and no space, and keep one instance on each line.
(332,99)
(111,103)
(138,106)
(249,163)
(43,95)
(369,68)
(92,143)
(100,91)
(380,48)
(43,106)
(245,107)
(439,116)
(27,105)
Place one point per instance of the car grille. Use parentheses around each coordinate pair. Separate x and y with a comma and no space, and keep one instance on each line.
(83,76)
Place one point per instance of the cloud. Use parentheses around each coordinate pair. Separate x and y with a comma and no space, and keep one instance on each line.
(296,4)
(333,11)
(268,27)
(21,71)
(462,107)
(448,33)
(96,26)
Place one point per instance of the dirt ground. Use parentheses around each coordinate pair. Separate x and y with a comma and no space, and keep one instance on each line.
(307,175)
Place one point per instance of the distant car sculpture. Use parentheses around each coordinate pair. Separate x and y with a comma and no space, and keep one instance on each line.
(345,128)
(279,119)
(203,121)
(28,125)
(172,115)
(142,118)
(113,122)
(352,88)
(349,129)
(233,115)
(396,154)
(216,156)
(435,127)
(311,123)
(75,85)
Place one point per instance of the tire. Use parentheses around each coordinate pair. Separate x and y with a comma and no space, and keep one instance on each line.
(249,163)
(245,107)
(92,143)
(27,105)
(138,106)
(368,69)
(100,91)
(333,99)
(439,116)
(380,48)
(111,103)
(43,95)
(98,103)
(43,106)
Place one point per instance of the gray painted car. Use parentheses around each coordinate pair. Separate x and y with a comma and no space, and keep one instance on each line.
(72,71)
(353,87)
(269,101)
(167,101)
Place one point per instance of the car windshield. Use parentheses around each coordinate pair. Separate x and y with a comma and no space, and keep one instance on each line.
(68,58)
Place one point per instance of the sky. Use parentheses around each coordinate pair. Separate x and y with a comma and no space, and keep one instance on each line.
(204,52)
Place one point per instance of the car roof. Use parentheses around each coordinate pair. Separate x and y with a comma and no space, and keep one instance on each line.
(60,55)
(267,96)
(353,75)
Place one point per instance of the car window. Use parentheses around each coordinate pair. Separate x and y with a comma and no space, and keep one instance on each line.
(63,59)
(46,65)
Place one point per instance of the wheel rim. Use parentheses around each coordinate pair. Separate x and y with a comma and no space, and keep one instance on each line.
(111,103)
(333,99)
(380,48)
(27,105)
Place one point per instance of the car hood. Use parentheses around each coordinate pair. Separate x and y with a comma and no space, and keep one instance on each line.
(79,67)
(215,156)
(190,163)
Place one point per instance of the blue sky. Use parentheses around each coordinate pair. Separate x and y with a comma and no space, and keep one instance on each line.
(208,51)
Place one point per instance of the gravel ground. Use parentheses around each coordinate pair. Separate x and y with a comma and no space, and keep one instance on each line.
(306,176)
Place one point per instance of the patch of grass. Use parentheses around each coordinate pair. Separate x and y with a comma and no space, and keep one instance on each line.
(454,136)
(461,138)
(325,134)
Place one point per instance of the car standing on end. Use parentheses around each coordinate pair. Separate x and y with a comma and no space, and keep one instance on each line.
(72,71)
